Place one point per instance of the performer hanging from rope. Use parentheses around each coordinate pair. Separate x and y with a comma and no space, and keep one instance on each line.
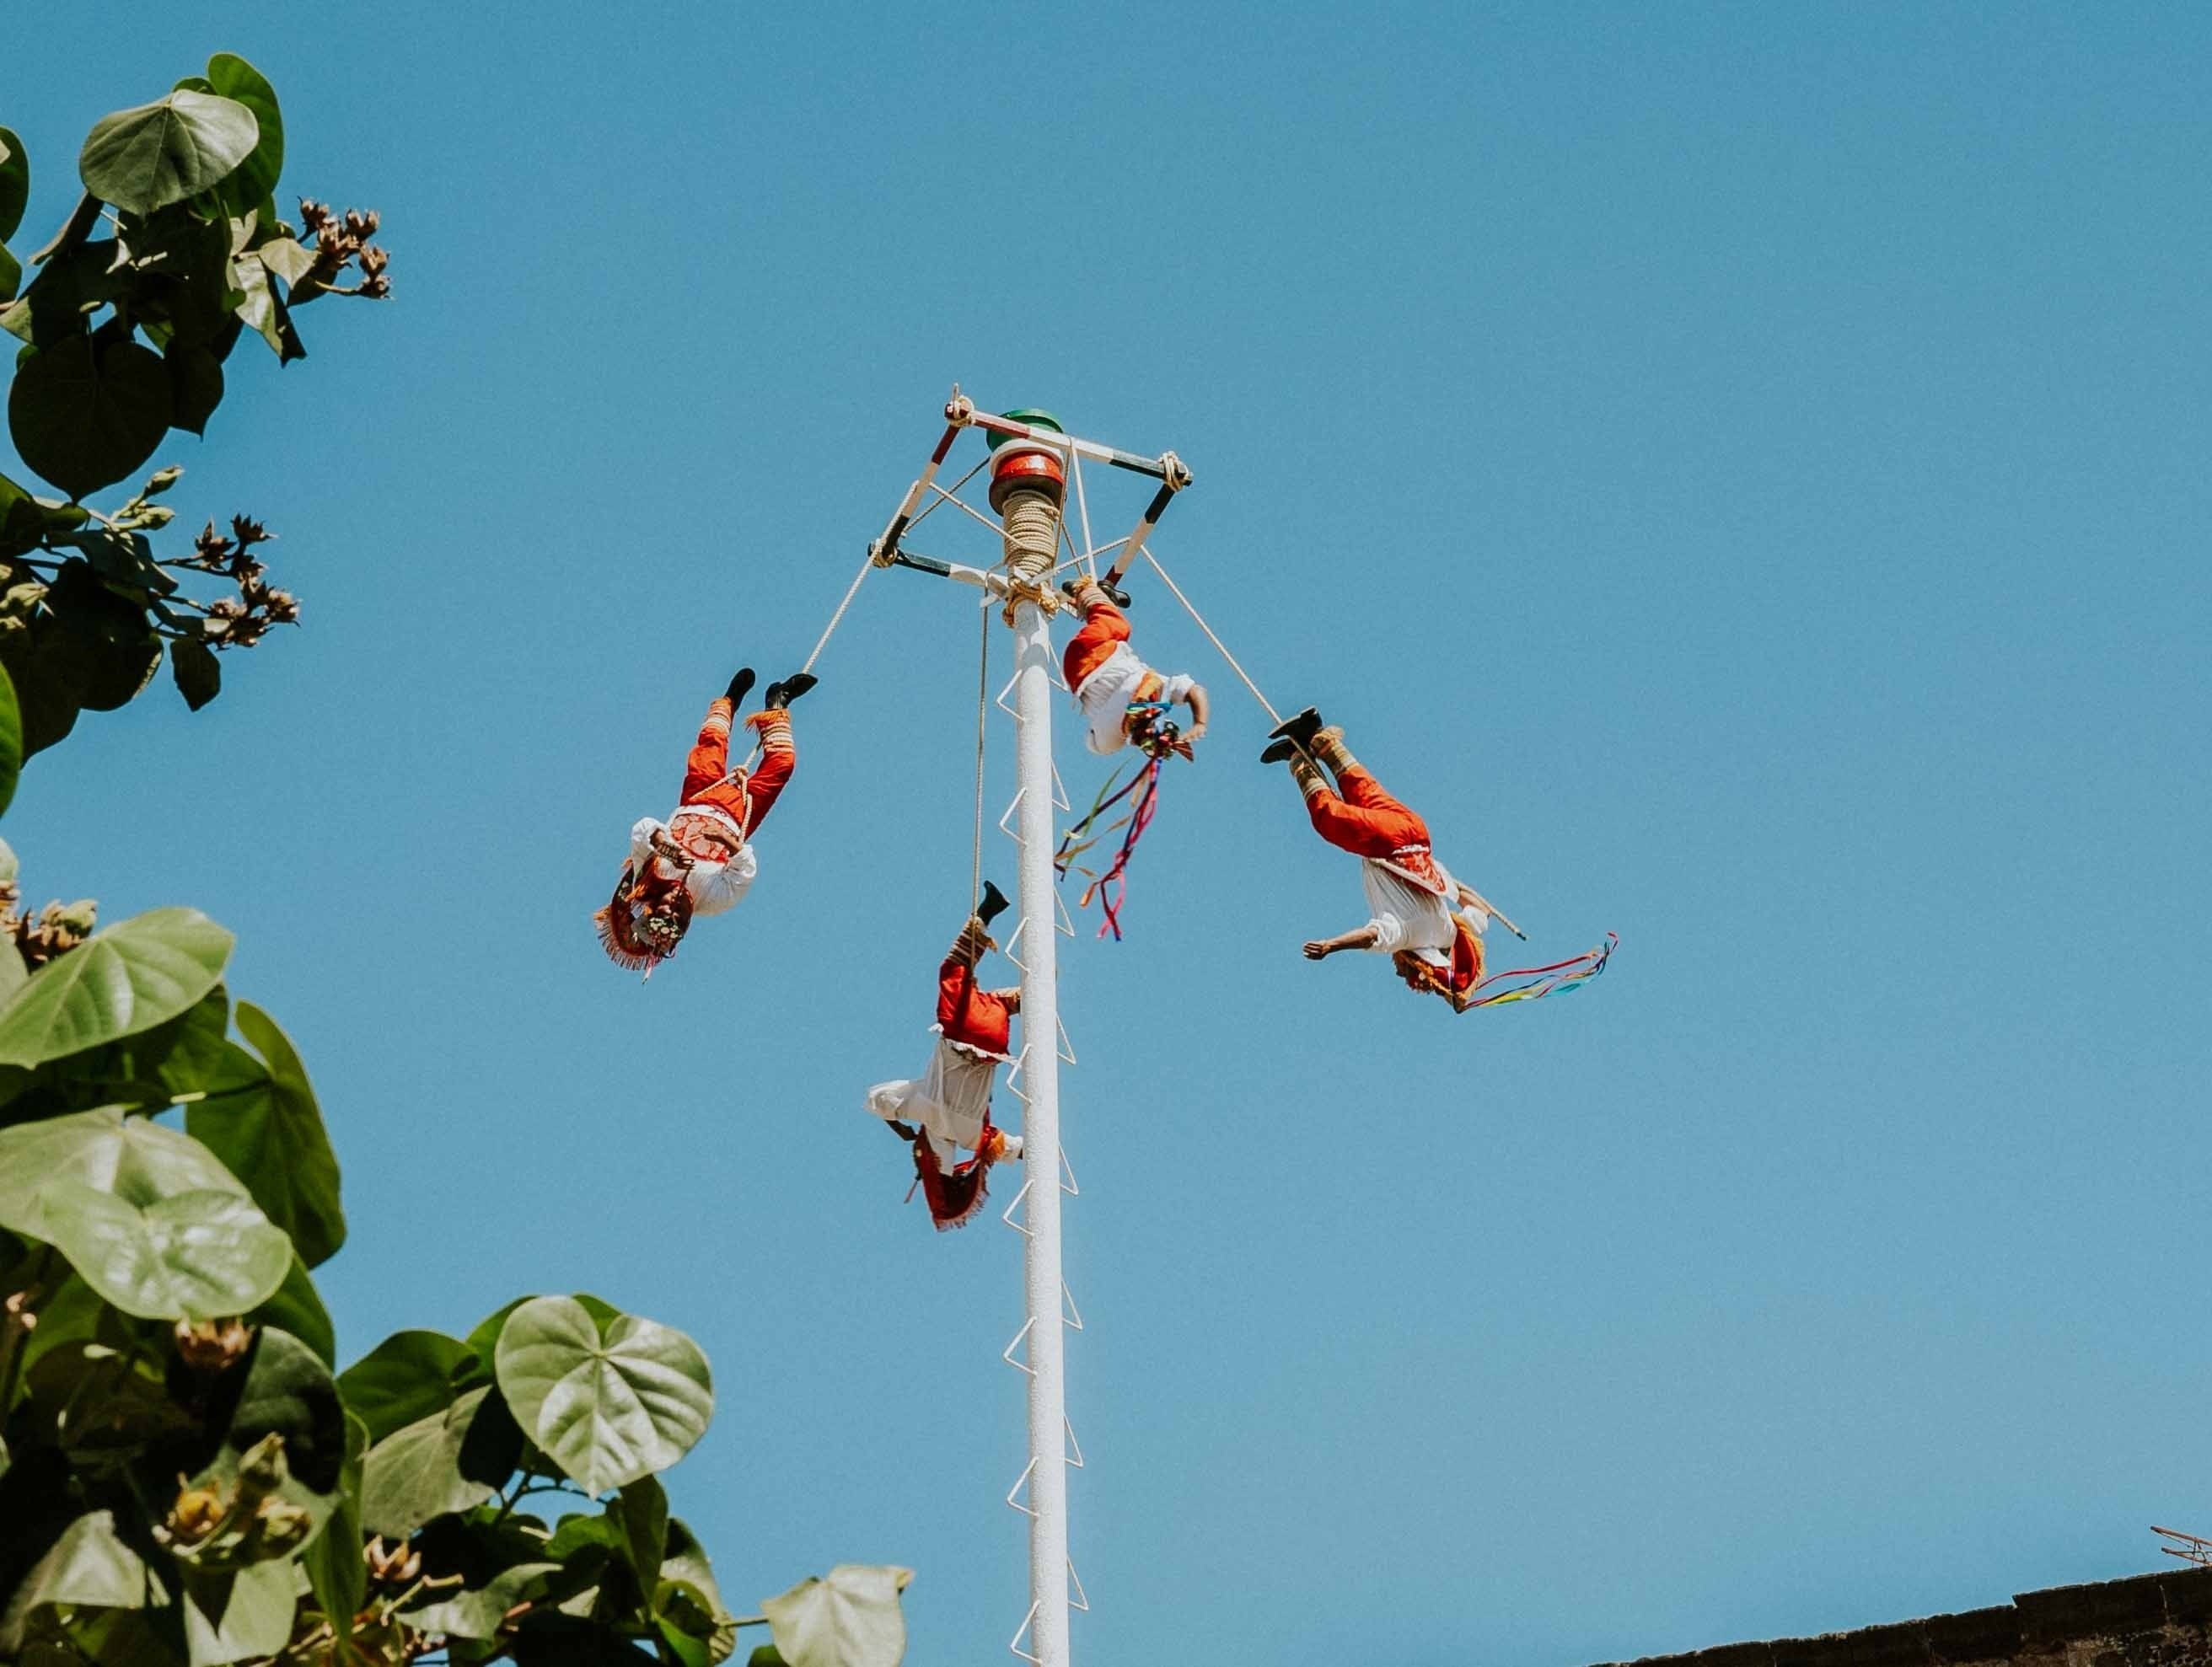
(1426,921)
(701,860)
(949,1105)
(1122,698)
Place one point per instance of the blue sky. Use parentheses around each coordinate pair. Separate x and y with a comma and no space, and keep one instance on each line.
(1739,471)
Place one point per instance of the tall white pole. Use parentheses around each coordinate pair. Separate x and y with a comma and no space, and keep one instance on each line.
(1040,1143)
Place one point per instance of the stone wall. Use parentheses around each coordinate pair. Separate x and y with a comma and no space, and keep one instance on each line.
(2161,1620)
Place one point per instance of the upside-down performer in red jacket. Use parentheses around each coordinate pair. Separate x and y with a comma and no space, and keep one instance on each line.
(949,1105)
(1122,698)
(701,860)
(1426,921)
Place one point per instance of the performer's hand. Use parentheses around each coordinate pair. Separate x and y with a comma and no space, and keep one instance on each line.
(674,853)
(1195,733)
(1319,950)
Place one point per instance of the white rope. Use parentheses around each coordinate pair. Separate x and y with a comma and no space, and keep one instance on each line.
(928,508)
(823,641)
(828,630)
(1273,715)
(983,712)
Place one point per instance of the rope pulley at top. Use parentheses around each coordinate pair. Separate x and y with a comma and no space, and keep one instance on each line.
(1029,484)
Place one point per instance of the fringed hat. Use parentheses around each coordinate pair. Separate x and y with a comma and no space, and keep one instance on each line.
(639,933)
(1455,982)
(954,1199)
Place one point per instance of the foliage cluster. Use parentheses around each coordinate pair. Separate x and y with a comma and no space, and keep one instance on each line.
(175,251)
(186,1478)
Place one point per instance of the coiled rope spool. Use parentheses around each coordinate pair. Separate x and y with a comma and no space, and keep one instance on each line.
(1028,485)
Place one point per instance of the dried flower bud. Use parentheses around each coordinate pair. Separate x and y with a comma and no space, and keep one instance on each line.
(209,1346)
(391,1566)
(248,532)
(282,1525)
(197,1514)
(261,1467)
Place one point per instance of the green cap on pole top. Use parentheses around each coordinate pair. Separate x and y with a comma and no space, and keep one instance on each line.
(1034,419)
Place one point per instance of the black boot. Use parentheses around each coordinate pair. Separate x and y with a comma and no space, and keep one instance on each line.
(782,695)
(1115,593)
(1300,728)
(994,904)
(740,686)
(1280,752)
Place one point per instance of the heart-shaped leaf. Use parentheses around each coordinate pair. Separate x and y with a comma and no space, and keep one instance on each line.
(150,157)
(290,1393)
(255,180)
(607,1409)
(272,1138)
(139,1162)
(127,978)
(851,1619)
(85,418)
(194,1256)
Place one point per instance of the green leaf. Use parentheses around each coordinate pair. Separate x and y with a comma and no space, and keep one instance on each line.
(90,1567)
(126,978)
(560,1641)
(767,1655)
(640,1512)
(85,418)
(477,1611)
(14,183)
(688,1605)
(851,1619)
(194,1256)
(148,157)
(139,1160)
(256,177)
(290,1393)
(297,1307)
(273,1139)
(484,1345)
(287,257)
(195,385)
(264,311)
(103,1408)
(86,647)
(11,740)
(408,1377)
(238,1617)
(336,1573)
(607,1410)
(11,275)
(447,1462)
(71,1314)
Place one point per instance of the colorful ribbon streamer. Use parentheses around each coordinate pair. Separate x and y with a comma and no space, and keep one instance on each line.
(1561,978)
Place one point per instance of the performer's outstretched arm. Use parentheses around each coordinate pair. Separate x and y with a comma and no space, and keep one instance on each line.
(1200,709)
(1363,938)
